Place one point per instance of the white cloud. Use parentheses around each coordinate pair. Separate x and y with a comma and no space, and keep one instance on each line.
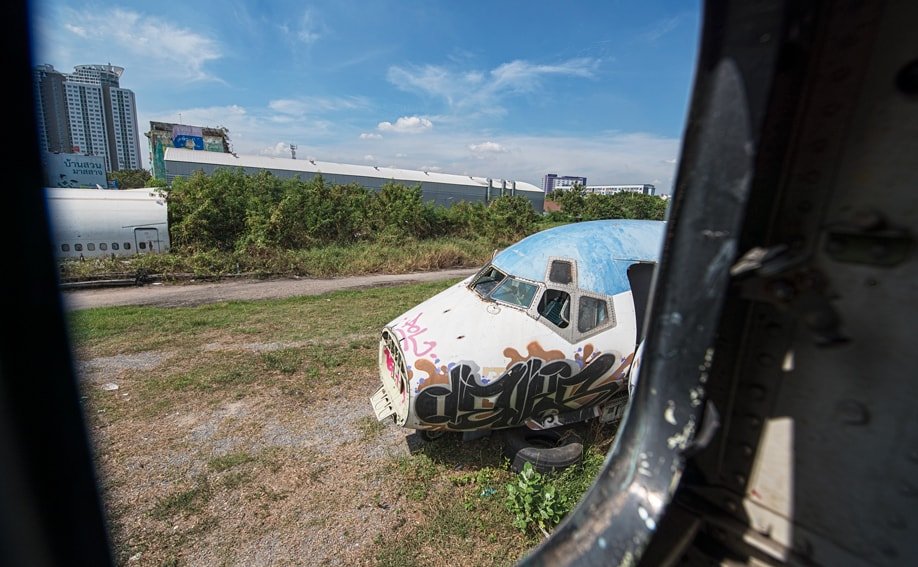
(477,91)
(523,76)
(660,28)
(487,148)
(407,125)
(314,105)
(77,30)
(369,157)
(370,136)
(279,149)
(309,30)
(167,50)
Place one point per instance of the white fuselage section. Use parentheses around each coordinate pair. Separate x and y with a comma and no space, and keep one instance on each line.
(101,223)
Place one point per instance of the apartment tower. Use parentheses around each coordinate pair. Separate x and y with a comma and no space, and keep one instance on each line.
(87,112)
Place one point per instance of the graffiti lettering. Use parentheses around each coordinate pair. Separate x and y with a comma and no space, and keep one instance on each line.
(410,331)
(530,389)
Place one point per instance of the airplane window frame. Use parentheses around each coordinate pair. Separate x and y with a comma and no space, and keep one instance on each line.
(477,280)
(570,272)
(572,285)
(610,323)
(506,282)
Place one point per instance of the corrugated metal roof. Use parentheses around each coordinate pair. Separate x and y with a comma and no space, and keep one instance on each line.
(184,155)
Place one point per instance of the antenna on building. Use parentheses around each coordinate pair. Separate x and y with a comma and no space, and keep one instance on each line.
(293,151)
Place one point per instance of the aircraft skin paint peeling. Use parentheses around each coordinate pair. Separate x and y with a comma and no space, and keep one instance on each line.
(669,414)
(681,440)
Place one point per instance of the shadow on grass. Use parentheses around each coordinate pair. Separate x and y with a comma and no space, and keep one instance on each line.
(460,452)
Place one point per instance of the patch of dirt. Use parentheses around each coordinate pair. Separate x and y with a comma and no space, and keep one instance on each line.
(259,478)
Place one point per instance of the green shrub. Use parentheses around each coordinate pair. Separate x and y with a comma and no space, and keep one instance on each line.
(534,502)
(509,218)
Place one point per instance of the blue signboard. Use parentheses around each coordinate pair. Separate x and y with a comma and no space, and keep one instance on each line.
(188,141)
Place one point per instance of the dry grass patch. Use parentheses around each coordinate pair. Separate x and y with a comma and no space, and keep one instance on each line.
(242,434)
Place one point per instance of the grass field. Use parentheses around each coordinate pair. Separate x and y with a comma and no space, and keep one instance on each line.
(241,433)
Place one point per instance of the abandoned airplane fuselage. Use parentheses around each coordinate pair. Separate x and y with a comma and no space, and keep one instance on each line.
(541,336)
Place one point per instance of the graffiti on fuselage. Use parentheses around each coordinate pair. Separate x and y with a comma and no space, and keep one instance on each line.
(532,387)
(410,332)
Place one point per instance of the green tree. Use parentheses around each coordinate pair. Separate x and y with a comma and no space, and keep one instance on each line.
(510,218)
(570,200)
(209,212)
(130,178)
(315,213)
(401,211)
(596,207)
(465,219)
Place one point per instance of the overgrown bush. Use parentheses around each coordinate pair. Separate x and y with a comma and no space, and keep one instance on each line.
(509,218)
(231,211)
(577,204)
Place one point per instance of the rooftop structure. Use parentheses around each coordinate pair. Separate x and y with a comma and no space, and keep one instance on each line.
(164,135)
(645,189)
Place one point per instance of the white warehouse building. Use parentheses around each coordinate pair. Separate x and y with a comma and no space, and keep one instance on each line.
(439,188)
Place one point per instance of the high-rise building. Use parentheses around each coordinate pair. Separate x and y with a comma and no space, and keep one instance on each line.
(87,113)
(554,182)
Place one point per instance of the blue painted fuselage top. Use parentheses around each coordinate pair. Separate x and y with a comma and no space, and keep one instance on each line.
(603,251)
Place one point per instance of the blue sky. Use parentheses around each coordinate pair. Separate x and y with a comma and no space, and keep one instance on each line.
(510,90)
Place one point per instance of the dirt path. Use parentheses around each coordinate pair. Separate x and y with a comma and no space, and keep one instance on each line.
(183,295)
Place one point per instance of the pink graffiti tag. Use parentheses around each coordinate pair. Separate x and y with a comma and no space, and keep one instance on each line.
(410,331)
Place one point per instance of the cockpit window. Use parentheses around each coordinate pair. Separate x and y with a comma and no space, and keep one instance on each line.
(561,272)
(515,292)
(592,313)
(488,279)
(555,306)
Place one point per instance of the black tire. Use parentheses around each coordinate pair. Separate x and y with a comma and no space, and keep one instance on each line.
(431,435)
(546,450)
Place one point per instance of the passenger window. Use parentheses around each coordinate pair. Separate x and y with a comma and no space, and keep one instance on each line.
(555,306)
(593,313)
(103,246)
(127,245)
(114,245)
(561,272)
(91,246)
(143,245)
(65,248)
(78,247)
(515,292)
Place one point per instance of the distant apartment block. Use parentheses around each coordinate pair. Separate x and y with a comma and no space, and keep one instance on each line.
(645,189)
(553,182)
(164,135)
(87,113)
